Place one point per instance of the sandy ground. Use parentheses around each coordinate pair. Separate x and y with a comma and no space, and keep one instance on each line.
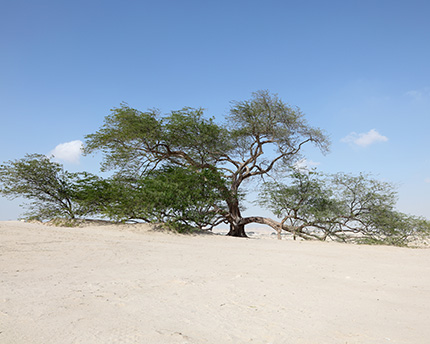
(107,284)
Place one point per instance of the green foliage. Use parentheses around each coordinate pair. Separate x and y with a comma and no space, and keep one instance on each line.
(45,183)
(265,119)
(305,195)
(134,141)
(200,139)
(138,129)
(185,198)
(341,207)
(182,198)
(105,197)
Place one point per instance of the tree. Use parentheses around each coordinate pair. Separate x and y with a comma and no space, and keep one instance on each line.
(260,135)
(341,207)
(45,183)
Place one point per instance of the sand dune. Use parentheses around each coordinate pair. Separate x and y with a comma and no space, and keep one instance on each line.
(129,284)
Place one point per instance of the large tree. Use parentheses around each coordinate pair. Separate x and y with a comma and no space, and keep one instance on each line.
(259,135)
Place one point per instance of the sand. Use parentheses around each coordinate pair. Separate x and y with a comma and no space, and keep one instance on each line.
(130,284)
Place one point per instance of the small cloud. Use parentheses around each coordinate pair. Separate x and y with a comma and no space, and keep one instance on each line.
(69,151)
(415,94)
(427,180)
(305,165)
(418,95)
(365,139)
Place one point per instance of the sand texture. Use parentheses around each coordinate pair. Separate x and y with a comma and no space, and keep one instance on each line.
(130,284)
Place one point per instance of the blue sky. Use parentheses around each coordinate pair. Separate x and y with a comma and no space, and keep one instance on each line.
(358,69)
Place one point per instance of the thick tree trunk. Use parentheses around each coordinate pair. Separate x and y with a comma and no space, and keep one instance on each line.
(237,228)
(237,231)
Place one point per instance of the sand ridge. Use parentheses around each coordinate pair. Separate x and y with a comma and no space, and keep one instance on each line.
(131,284)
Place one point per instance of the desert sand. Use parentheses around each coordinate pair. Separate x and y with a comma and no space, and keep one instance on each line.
(132,284)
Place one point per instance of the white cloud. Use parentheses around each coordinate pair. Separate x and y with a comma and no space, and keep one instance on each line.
(305,165)
(415,94)
(69,151)
(427,180)
(365,139)
(419,94)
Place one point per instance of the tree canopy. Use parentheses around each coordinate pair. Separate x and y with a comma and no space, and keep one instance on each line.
(260,134)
